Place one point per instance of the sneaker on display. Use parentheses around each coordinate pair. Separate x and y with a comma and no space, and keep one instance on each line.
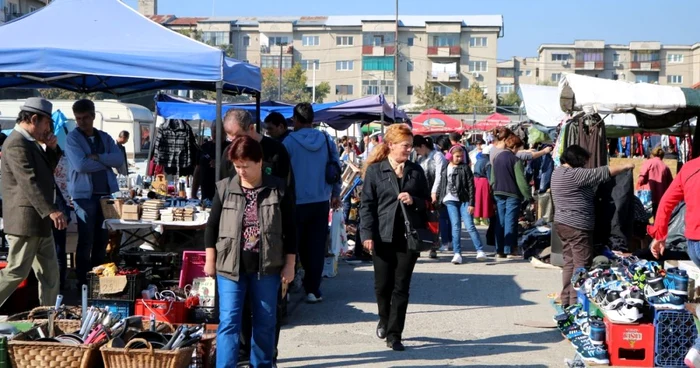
(578,278)
(593,354)
(457,259)
(665,300)
(680,278)
(612,300)
(655,286)
(596,332)
(481,256)
(626,314)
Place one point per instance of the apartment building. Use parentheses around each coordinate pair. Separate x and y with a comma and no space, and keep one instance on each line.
(642,62)
(12,9)
(357,55)
(514,72)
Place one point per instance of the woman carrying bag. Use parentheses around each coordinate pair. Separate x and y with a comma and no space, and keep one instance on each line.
(395,197)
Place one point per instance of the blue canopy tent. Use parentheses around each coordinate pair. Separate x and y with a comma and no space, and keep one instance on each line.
(105,46)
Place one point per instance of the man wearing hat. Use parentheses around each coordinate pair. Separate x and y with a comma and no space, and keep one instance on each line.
(29,202)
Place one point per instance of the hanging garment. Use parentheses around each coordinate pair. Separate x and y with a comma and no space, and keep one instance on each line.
(545,175)
(176,148)
(591,136)
(614,212)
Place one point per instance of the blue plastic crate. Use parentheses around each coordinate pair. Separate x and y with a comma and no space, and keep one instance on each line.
(675,334)
(124,308)
(583,300)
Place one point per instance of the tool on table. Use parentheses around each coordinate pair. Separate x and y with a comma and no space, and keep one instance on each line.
(84,300)
(153,322)
(52,316)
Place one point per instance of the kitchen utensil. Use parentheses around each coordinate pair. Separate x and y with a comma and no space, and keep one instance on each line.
(84,299)
(179,332)
(59,301)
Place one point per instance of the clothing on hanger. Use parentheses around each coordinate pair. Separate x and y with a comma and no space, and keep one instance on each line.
(175,148)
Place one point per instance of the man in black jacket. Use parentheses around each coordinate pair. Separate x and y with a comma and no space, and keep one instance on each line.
(276,163)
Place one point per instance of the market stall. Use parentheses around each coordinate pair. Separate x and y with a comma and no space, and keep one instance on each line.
(432,121)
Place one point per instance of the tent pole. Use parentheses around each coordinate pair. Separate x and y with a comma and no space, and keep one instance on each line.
(219,125)
(257,113)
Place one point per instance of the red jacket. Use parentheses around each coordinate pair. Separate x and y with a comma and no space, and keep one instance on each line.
(685,187)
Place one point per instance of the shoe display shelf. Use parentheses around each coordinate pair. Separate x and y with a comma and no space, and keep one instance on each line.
(674,336)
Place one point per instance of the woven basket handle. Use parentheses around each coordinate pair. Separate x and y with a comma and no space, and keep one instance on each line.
(143,341)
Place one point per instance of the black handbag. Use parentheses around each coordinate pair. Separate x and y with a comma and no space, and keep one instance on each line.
(333,171)
(417,240)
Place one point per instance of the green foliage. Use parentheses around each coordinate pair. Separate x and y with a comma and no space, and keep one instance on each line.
(322,91)
(509,99)
(428,98)
(294,86)
(465,101)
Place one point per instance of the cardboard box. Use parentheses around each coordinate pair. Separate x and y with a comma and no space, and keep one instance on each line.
(131,212)
(111,208)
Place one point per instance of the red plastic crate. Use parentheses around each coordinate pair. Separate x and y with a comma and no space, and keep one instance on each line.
(630,345)
(164,311)
(192,266)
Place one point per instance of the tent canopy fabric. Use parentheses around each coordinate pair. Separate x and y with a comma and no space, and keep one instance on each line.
(105,46)
(434,121)
(338,115)
(492,121)
(654,106)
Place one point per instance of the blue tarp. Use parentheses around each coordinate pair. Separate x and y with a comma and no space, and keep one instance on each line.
(105,46)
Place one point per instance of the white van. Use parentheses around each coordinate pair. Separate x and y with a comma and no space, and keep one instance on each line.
(112,117)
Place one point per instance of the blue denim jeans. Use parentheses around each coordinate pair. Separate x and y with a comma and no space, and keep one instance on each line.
(694,251)
(459,213)
(263,297)
(507,232)
(445,227)
(92,237)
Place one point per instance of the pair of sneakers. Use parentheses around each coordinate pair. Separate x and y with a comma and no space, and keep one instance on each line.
(660,297)
(480,256)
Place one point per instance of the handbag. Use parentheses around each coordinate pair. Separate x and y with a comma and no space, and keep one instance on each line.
(417,240)
(333,171)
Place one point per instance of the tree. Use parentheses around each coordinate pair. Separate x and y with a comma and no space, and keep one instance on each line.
(465,101)
(428,98)
(509,99)
(294,85)
(270,84)
(322,91)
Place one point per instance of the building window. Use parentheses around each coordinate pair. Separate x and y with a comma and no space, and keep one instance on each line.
(273,61)
(378,63)
(32,9)
(590,56)
(442,90)
(675,79)
(273,41)
(409,66)
(409,42)
(345,40)
(310,64)
(344,65)
(644,56)
(310,41)
(556,77)
(409,90)
(375,87)
(506,73)
(216,38)
(675,58)
(246,41)
(443,41)
(560,57)
(478,42)
(504,89)
(478,66)
(528,73)
(343,89)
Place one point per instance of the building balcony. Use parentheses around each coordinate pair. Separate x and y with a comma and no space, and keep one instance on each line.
(274,49)
(444,51)
(589,65)
(370,50)
(443,77)
(648,66)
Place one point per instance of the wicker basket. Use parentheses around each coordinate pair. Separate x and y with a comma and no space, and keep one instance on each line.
(142,358)
(31,354)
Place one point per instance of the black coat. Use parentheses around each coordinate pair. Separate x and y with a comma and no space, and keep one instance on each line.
(379,200)
(463,179)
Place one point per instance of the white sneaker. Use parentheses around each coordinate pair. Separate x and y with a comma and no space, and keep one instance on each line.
(312,299)
(457,259)
(481,256)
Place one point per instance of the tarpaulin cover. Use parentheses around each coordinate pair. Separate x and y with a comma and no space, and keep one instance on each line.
(106,46)
(434,121)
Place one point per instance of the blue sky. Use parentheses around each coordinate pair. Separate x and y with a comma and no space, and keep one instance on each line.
(528,23)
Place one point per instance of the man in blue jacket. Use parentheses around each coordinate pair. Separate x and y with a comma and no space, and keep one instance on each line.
(310,150)
(92,156)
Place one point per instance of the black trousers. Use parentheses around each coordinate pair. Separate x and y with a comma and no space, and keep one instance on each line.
(393,269)
(312,237)
(246,334)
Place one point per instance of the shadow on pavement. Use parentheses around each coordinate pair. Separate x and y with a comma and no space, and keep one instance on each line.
(441,289)
(425,348)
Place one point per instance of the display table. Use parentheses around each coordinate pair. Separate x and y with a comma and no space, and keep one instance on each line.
(139,232)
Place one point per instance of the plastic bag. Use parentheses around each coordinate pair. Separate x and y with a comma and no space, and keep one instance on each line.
(535,135)
(339,238)
(644,195)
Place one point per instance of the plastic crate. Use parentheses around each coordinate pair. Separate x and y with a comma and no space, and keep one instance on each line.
(164,310)
(192,266)
(122,307)
(134,286)
(630,345)
(4,357)
(675,335)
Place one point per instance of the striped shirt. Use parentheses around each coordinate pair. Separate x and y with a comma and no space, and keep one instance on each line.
(573,193)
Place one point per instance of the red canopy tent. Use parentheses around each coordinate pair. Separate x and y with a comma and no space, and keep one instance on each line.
(492,121)
(434,121)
